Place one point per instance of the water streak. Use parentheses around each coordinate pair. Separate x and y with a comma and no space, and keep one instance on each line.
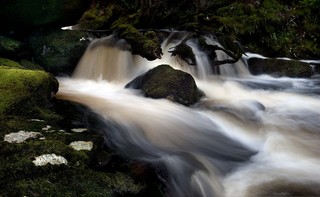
(242,139)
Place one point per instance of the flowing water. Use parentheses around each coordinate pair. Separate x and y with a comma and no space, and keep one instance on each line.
(250,135)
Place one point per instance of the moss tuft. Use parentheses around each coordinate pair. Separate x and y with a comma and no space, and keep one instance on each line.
(22,90)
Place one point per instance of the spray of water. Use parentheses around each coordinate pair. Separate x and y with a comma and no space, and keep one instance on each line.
(242,139)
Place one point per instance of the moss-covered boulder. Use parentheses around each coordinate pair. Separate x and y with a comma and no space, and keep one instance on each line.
(24,91)
(166,82)
(100,16)
(58,51)
(9,47)
(145,44)
(279,67)
(24,14)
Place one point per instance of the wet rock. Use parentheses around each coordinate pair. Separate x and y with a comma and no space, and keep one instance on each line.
(279,67)
(20,136)
(166,82)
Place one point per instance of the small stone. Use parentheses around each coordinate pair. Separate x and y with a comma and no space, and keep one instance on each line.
(46,128)
(20,136)
(36,120)
(79,130)
(52,159)
(82,145)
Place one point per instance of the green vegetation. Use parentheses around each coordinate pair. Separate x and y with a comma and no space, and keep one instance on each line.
(9,46)
(20,177)
(147,45)
(271,27)
(23,91)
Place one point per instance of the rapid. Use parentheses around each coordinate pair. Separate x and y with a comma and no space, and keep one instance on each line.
(249,135)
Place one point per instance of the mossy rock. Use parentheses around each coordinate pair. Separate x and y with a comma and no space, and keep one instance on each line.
(58,51)
(146,45)
(279,67)
(4,62)
(23,91)
(24,14)
(10,47)
(100,16)
(30,65)
(166,82)
(20,177)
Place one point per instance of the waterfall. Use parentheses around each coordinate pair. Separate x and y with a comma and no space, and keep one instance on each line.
(250,136)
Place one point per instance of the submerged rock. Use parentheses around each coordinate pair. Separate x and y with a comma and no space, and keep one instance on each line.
(166,82)
(279,67)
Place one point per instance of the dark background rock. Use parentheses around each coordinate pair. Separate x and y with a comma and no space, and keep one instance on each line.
(279,67)
(25,14)
(58,51)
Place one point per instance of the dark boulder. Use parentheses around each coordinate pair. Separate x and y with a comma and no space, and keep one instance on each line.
(279,67)
(166,82)
(58,51)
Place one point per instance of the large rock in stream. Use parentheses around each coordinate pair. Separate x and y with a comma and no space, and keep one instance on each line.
(165,82)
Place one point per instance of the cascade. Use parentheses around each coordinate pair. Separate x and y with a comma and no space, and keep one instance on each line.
(250,135)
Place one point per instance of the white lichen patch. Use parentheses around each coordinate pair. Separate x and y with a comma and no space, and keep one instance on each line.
(82,145)
(52,159)
(79,130)
(46,128)
(20,136)
(36,120)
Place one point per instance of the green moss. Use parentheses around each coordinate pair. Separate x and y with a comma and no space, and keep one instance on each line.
(23,90)
(147,45)
(30,65)
(166,82)
(9,63)
(9,46)
(99,16)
